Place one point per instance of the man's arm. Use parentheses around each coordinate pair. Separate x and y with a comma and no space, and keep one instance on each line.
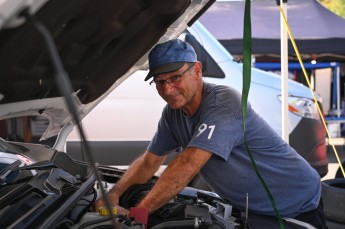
(140,171)
(177,175)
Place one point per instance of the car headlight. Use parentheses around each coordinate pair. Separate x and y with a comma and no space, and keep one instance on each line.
(303,107)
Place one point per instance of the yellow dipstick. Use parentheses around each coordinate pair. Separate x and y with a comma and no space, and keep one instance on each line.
(103,211)
(306,77)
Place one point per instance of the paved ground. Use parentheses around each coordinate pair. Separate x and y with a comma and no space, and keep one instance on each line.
(333,165)
(332,169)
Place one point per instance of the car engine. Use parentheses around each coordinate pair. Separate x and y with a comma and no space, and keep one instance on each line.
(60,192)
(56,191)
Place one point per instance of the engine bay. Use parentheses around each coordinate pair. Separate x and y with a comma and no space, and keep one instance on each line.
(60,192)
(57,191)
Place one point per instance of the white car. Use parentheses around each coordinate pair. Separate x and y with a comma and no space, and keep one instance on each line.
(134,108)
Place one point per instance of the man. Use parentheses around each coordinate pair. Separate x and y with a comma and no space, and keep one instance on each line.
(206,121)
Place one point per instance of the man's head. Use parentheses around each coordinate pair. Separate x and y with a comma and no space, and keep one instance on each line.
(177,75)
(169,57)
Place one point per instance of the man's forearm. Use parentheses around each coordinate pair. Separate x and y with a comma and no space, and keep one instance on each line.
(138,172)
(178,174)
(170,183)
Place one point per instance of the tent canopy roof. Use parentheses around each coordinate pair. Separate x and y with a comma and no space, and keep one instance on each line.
(318,32)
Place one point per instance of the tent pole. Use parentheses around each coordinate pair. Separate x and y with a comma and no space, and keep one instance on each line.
(284,72)
(337,72)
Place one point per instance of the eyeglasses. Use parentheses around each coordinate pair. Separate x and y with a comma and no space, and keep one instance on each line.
(171,80)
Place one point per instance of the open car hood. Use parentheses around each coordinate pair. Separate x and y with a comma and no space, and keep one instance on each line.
(100,44)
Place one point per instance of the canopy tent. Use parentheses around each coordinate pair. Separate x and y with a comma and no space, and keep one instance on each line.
(319,33)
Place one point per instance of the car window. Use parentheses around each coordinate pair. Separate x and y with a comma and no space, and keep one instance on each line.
(210,67)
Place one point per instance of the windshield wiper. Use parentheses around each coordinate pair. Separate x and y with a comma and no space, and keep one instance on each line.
(41,165)
(8,169)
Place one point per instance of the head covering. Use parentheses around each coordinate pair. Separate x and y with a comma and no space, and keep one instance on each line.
(170,56)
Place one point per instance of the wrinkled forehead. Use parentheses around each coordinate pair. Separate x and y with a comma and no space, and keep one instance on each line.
(168,74)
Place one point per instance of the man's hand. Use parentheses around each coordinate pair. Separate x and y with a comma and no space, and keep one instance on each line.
(114,201)
(140,171)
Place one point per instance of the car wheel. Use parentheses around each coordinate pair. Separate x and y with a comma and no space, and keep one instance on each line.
(334,225)
(333,195)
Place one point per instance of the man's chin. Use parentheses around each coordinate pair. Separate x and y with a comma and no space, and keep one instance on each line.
(174,106)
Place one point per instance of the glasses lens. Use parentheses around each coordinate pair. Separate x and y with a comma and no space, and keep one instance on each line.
(171,80)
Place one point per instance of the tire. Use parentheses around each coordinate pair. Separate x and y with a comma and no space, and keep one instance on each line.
(333,195)
(334,225)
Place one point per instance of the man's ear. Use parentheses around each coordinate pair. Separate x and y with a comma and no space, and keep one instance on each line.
(198,69)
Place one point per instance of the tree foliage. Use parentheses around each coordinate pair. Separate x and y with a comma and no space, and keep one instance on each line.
(336,6)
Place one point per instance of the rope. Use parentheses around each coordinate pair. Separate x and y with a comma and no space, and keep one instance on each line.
(307,79)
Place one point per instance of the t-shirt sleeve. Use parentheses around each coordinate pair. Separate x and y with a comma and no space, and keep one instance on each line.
(163,141)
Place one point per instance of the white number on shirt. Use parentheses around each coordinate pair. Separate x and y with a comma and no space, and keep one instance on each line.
(203,127)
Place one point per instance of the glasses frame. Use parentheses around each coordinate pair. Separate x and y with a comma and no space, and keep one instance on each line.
(172,79)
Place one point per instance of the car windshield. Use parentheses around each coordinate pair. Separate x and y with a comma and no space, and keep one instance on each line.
(6,148)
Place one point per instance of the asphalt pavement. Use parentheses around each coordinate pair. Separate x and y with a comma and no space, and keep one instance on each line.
(339,144)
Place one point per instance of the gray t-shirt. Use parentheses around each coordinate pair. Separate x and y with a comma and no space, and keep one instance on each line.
(217,128)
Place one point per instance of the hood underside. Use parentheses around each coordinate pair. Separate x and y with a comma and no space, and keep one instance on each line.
(98,42)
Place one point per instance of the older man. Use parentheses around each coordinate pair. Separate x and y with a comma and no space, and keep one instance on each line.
(206,121)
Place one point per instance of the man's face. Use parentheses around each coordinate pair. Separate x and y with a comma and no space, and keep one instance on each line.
(179,88)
